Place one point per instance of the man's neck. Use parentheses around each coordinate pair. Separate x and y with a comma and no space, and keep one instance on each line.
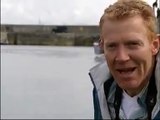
(137,92)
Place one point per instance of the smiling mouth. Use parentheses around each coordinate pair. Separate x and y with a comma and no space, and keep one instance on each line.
(126,70)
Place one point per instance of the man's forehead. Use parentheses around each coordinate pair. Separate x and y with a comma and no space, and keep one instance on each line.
(135,19)
(128,24)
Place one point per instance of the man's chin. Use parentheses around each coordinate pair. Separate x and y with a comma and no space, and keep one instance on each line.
(127,84)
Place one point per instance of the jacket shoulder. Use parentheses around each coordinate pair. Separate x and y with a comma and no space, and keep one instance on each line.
(99,74)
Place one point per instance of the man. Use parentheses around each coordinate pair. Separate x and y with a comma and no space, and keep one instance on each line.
(127,84)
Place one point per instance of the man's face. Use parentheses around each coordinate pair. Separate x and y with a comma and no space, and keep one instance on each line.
(128,52)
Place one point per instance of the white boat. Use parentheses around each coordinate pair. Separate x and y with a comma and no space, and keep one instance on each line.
(97,48)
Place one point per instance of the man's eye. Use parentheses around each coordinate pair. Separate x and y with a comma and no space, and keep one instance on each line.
(133,44)
(111,46)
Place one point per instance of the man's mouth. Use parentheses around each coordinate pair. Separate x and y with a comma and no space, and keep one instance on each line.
(126,71)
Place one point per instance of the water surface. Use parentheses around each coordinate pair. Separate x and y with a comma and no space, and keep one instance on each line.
(46,82)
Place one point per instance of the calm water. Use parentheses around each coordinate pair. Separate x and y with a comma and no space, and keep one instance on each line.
(46,82)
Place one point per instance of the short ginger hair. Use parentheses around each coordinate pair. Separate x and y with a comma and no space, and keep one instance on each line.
(124,9)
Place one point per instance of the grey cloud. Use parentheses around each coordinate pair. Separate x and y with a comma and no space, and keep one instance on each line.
(55,12)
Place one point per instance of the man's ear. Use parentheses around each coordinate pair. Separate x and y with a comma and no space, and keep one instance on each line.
(101,42)
(156,45)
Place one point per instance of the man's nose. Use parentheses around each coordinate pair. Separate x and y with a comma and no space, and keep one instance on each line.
(122,55)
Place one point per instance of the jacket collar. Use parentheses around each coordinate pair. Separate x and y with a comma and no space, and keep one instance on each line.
(157,76)
(99,73)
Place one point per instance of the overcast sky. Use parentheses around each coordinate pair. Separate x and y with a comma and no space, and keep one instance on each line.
(54,12)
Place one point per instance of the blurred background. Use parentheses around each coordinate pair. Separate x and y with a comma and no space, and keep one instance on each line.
(47,49)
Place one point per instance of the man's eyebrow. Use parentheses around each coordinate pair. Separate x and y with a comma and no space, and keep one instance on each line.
(134,41)
(110,42)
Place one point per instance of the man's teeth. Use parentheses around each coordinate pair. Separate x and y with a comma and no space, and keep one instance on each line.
(126,70)
(122,71)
